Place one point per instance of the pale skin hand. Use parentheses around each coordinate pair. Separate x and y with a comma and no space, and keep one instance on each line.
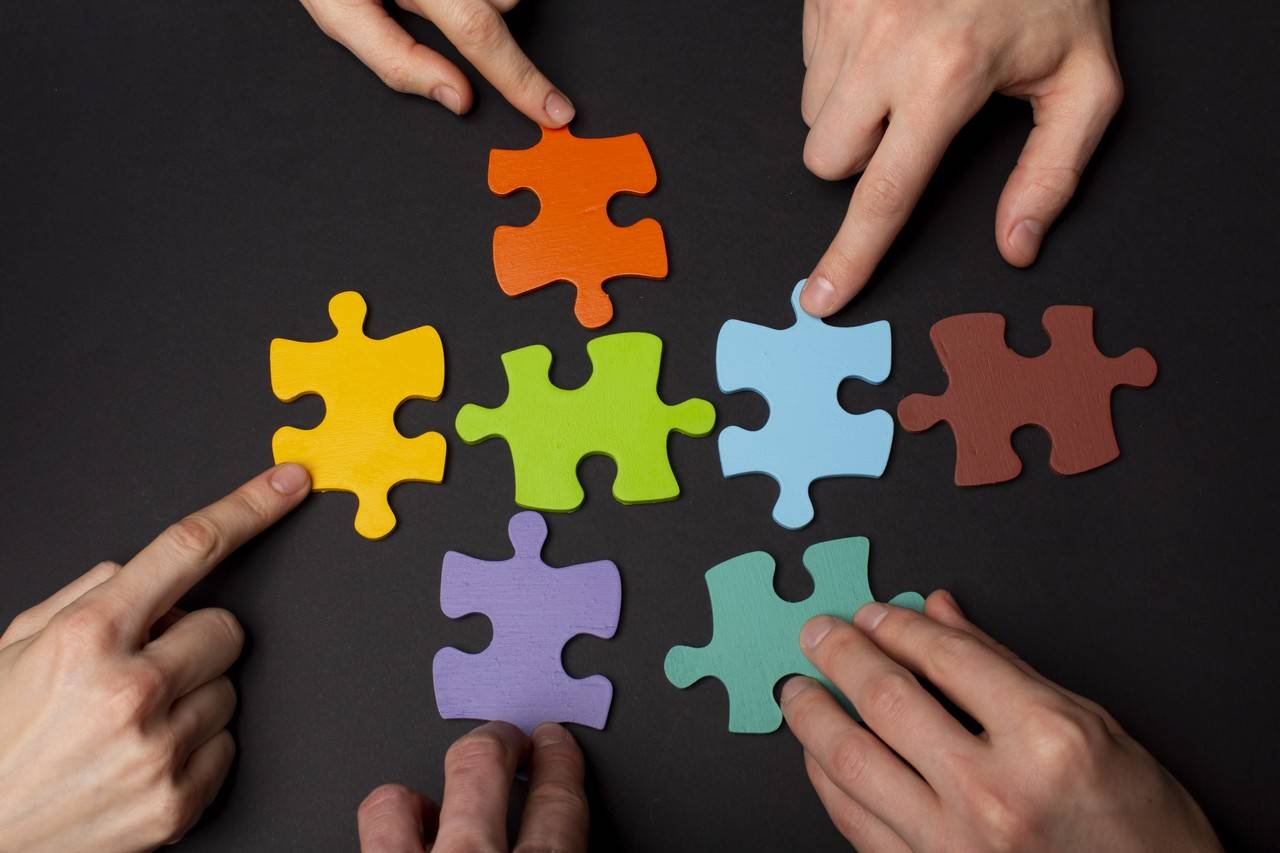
(478,769)
(890,83)
(1051,771)
(113,702)
(476,29)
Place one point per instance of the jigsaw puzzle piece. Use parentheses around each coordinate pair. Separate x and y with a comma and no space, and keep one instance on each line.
(534,610)
(755,641)
(573,239)
(356,447)
(993,391)
(616,413)
(809,436)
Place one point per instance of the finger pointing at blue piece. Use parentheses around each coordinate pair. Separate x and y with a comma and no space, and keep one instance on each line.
(177,559)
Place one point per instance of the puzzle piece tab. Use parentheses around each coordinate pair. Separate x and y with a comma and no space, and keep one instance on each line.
(993,391)
(617,413)
(534,609)
(357,448)
(798,370)
(755,641)
(573,238)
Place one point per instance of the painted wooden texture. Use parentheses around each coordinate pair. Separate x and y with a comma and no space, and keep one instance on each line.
(993,391)
(573,239)
(616,413)
(357,448)
(809,436)
(534,609)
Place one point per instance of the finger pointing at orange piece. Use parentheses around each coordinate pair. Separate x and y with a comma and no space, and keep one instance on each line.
(476,29)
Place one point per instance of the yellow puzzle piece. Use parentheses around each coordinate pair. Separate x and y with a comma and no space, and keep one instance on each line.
(357,448)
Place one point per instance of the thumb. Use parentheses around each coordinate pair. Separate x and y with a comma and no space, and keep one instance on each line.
(1069,122)
(379,42)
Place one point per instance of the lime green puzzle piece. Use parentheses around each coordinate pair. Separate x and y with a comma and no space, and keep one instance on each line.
(756,637)
(617,413)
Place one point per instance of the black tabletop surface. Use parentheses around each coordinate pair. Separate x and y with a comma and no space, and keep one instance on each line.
(180,183)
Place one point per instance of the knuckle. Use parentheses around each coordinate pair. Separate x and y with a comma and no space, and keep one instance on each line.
(851,821)
(250,505)
(176,810)
(1064,743)
(136,691)
(1108,90)
(85,628)
(883,196)
(849,762)
(949,650)
(479,25)
(395,75)
(196,536)
(817,160)
(1005,824)
(476,753)
(24,623)
(558,796)
(887,694)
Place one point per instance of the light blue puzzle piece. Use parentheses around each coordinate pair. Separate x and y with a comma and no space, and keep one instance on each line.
(798,371)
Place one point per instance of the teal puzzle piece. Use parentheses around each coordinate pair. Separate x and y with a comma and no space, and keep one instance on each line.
(809,436)
(756,637)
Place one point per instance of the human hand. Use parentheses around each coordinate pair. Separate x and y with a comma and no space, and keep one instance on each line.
(475,27)
(890,83)
(477,779)
(1051,770)
(113,702)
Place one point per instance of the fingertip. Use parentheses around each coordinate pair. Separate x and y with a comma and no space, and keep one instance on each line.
(289,479)
(942,603)
(449,98)
(1022,243)
(559,109)
(510,736)
(793,687)
(819,297)
(550,734)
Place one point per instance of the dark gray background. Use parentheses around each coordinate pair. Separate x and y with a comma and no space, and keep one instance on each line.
(179,183)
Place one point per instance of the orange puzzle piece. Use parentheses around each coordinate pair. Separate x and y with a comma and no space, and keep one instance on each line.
(573,238)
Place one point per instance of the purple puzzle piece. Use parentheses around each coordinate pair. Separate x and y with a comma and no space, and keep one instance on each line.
(534,609)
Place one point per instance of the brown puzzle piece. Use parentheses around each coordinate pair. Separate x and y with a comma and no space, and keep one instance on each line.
(993,391)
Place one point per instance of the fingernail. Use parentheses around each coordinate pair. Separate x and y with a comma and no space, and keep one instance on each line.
(549,734)
(818,296)
(289,478)
(870,615)
(794,687)
(1025,237)
(559,108)
(448,97)
(814,630)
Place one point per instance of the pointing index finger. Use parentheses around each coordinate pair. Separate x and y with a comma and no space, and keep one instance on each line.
(882,201)
(477,29)
(182,555)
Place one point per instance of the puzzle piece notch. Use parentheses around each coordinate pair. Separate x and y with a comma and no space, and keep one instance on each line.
(616,413)
(535,610)
(356,447)
(755,639)
(993,391)
(573,239)
(809,436)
